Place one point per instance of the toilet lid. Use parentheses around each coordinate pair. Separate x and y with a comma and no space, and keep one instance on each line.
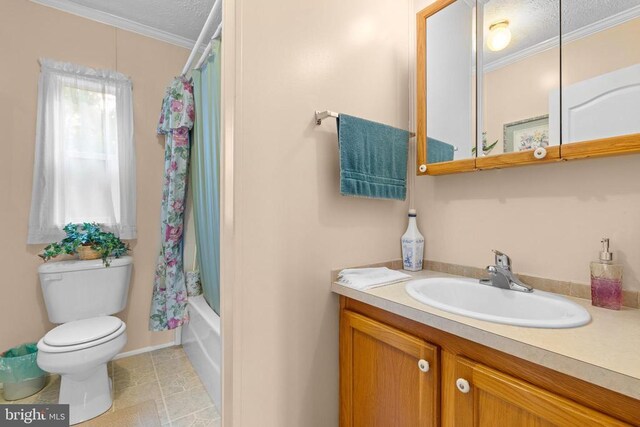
(82,331)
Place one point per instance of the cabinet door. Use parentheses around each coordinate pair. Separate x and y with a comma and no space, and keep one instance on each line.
(387,377)
(476,395)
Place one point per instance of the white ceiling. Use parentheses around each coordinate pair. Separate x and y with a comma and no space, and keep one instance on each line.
(181,18)
(535,21)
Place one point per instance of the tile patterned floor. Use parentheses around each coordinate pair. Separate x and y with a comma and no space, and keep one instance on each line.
(165,376)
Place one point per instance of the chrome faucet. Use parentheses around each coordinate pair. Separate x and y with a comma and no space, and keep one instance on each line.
(501,276)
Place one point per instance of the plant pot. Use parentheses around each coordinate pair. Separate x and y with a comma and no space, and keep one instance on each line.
(85,253)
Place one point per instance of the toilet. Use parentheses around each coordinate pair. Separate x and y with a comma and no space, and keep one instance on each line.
(81,296)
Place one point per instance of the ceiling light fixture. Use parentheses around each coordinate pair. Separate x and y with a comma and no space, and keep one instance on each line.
(499,36)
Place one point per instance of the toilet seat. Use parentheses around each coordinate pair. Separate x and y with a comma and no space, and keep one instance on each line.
(82,334)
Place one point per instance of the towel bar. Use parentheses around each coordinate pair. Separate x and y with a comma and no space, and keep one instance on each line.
(321,115)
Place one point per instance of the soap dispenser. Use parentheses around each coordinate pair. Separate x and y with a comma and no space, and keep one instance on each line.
(606,280)
(412,245)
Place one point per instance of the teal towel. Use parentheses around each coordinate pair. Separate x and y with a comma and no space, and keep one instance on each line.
(373,159)
(438,151)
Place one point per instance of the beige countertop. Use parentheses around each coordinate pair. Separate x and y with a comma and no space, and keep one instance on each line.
(605,352)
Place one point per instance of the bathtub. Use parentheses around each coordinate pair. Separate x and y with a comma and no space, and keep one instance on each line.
(201,341)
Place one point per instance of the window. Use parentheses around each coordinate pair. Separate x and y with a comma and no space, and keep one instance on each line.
(84,169)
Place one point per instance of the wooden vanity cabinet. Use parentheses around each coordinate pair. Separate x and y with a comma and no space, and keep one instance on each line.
(467,384)
(387,377)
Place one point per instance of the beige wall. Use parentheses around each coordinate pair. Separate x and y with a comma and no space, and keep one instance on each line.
(521,90)
(292,226)
(27,32)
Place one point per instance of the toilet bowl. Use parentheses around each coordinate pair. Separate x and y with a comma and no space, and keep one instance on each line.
(79,351)
(81,296)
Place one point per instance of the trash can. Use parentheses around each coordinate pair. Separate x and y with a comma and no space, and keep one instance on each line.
(19,372)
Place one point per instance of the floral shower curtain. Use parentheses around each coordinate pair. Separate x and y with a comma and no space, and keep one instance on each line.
(168,304)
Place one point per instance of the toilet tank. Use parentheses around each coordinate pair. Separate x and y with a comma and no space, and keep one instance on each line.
(75,290)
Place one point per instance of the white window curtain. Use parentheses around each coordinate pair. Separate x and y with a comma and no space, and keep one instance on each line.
(84,168)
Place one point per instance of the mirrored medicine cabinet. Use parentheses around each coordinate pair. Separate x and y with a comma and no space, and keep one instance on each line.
(504,83)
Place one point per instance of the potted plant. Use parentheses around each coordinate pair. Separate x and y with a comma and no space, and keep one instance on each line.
(89,242)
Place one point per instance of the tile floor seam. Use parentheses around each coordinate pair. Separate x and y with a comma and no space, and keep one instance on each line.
(164,402)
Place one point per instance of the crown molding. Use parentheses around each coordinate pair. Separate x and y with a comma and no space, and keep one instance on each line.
(522,54)
(117,21)
(585,31)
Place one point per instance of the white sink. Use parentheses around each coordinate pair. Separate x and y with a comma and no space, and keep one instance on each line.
(468,297)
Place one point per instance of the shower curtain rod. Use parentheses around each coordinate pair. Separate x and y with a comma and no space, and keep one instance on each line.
(207,51)
(215,10)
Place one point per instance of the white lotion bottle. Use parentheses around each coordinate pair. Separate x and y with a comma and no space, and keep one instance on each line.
(412,245)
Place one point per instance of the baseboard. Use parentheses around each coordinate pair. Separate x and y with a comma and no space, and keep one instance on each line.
(141,350)
(144,350)
(176,341)
(177,337)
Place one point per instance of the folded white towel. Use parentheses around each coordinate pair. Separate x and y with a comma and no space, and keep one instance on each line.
(367,278)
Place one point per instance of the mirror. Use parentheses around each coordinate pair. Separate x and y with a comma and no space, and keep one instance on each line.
(600,73)
(505,83)
(520,79)
(450,83)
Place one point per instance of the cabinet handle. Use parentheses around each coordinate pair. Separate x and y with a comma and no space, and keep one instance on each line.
(463,385)
(540,153)
(423,365)
(423,168)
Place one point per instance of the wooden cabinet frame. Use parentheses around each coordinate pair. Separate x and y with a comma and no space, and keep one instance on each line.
(613,146)
(457,166)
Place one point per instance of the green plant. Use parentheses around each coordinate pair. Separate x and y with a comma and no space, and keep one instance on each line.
(87,234)
(486,149)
